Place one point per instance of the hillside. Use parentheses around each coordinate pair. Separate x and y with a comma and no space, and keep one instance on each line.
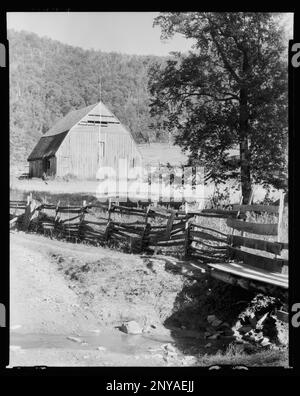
(48,79)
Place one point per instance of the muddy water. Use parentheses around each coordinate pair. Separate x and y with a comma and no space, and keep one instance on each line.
(113,341)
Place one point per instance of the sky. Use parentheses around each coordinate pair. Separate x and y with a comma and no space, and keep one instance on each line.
(124,32)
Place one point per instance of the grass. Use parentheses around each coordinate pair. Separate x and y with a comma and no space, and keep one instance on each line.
(155,153)
(235,355)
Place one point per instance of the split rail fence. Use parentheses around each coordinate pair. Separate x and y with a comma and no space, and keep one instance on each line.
(228,256)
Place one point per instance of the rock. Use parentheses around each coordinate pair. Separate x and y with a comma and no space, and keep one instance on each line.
(84,343)
(170,348)
(74,339)
(172,355)
(213,337)
(265,342)
(262,319)
(253,321)
(189,360)
(208,345)
(211,330)
(225,324)
(216,323)
(101,348)
(245,329)
(228,332)
(211,318)
(131,327)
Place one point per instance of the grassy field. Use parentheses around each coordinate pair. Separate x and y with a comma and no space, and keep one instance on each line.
(212,195)
(163,153)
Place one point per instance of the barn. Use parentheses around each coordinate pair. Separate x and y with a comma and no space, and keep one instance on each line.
(81,143)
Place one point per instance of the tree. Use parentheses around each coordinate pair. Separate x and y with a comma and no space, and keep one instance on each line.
(230,90)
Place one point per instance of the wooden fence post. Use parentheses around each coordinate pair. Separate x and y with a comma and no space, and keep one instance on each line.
(280,215)
(108,226)
(56,211)
(29,210)
(145,236)
(170,224)
(187,238)
(81,220)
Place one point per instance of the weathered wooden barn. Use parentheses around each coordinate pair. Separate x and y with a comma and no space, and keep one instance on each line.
(81,143)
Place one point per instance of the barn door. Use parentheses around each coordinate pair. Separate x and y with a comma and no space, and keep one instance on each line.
(46,165)
(64,165)
(101,153)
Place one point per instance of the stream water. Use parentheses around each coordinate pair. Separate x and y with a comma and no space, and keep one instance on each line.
(113,341)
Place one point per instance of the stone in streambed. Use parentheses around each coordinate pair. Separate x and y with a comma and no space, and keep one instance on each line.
(131,327)
(75,339)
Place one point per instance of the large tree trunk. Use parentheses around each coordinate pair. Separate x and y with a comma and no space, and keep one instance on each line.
(244,148)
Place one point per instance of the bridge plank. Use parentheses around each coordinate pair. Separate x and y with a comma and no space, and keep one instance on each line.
(269,264)
(249,272)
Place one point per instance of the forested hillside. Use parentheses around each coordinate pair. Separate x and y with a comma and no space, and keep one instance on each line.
(48,79)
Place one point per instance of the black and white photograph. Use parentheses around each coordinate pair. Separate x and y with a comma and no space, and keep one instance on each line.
(148,189)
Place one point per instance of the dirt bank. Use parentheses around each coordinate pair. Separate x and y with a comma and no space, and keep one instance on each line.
(61,290)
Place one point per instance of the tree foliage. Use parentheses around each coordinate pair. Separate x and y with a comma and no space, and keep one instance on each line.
(229,91)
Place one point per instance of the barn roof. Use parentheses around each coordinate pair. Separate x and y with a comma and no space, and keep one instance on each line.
(47,146)
(66,123)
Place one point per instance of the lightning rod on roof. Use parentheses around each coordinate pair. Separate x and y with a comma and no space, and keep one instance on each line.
(99,134)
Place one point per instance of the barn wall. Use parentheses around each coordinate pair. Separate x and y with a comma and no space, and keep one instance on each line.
(79,152)
(36,168)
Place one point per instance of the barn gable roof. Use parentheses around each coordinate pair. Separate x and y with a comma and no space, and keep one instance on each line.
(71,119)
(51,140)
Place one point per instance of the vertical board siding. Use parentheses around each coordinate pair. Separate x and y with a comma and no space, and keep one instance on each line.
(52,170)
(36,168)
(79,152)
